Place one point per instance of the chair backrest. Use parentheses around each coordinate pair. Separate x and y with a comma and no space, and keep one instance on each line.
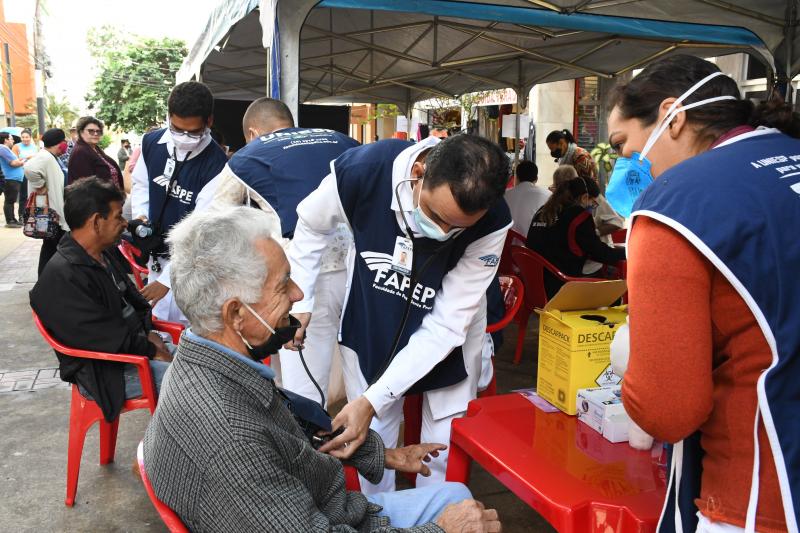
(513,295)
(168,516)
(506,262)
(531,269)
(130,252)
(619,236)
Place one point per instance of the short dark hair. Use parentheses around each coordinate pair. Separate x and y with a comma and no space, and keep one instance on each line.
(191,99)
(475,169)
(26,130)
(267,114)
(85,121)
(527,171)
(123,141)
(4,135)
(88,196)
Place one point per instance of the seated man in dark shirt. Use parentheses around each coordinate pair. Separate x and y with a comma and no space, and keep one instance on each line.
(86,301)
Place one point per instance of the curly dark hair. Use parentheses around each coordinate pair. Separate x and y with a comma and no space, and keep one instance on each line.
(475,169)
(191,99)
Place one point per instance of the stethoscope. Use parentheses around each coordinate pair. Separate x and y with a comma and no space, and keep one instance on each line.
(416,274)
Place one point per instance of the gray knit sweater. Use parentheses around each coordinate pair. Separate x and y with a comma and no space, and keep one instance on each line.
(225,453)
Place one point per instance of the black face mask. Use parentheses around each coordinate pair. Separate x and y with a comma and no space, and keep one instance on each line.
(556,154)
(275,342)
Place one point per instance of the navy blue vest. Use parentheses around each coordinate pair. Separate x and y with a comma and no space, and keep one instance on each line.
(739,205)
(378,294)
(192,177)
(287,165)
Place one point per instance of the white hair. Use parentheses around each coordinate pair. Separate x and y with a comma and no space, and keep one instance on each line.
(214,258)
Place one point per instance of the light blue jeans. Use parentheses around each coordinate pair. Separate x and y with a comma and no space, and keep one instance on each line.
(414,507)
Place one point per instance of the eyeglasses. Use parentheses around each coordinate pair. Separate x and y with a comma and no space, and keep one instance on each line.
(93,132)
(193,134)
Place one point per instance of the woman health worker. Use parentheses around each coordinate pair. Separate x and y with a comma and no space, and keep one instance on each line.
(713,263)
(417,329)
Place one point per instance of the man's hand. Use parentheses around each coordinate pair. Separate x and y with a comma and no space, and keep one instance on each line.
(412,459)
(469,516)
(162,353)
(154,291)
(300,334)
(355,417)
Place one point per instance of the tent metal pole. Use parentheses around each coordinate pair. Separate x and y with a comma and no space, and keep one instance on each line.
(463,45)
(519,111)
(647,59)
(789,32)
(371,31)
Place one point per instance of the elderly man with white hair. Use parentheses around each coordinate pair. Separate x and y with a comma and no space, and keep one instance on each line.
(228,450)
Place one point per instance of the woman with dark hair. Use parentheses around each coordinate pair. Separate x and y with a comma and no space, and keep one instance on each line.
(88,159)
(566,151)
(713,262)
(563,232)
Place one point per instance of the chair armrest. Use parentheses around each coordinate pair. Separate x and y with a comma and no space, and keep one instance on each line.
(173,328)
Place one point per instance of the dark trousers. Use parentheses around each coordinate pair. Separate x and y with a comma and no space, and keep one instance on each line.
(11,192)
(48,249)
(23,198)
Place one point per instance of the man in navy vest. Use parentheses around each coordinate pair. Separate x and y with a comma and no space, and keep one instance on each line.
(279,167)
(429,223)
(177,162)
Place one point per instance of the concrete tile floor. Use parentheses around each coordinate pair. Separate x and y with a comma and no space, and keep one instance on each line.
(34,432)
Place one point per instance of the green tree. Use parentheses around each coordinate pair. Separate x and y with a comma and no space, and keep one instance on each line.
(134,78)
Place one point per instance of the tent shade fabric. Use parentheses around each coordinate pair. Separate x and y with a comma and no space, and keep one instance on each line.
(402,51)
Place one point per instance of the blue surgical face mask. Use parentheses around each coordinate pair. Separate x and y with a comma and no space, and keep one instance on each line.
(428,227)
(632,175)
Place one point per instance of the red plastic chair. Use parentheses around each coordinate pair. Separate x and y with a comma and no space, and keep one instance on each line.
(85,412)
(351,481)
(619,236)
(513,294)
(168,516)
(532,267)
(506,265)
(130,252)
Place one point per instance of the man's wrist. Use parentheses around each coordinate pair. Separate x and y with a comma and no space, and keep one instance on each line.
(389,458)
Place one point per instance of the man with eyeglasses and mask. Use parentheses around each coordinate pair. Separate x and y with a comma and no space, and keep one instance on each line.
(417,329)
(177,162)
(281,165)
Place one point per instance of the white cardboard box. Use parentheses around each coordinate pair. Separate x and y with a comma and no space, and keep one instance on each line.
(601,409)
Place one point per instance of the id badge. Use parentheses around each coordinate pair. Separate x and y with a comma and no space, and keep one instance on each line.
(169,168)
(403,255)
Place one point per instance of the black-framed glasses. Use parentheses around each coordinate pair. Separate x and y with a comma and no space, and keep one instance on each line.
(193,134)
(93,132)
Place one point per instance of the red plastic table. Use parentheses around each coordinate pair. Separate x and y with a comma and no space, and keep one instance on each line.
(564,469)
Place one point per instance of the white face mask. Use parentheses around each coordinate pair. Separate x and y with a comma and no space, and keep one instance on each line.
(185,142)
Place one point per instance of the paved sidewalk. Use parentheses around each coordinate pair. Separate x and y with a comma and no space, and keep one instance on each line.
(34,422)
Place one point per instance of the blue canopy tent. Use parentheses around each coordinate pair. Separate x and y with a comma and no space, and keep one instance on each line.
(403,51)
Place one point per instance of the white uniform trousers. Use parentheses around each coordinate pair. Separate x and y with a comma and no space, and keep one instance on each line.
(321,339)
(433,430)
(165,308)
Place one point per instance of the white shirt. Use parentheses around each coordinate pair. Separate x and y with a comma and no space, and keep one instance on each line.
(140,192)
(524,201)
(457,302)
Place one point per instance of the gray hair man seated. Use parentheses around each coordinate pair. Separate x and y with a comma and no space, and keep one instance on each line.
(228,450)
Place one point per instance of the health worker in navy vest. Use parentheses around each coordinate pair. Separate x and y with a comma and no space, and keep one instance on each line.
(713,263)
(231,452)
(279,167)
(417,329)
(177,162)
